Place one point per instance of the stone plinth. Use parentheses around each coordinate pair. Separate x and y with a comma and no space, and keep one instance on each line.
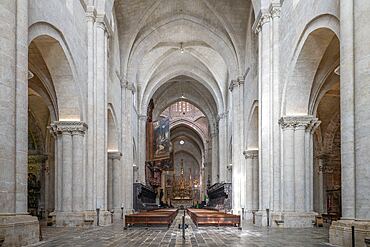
(340,232)
(19,230)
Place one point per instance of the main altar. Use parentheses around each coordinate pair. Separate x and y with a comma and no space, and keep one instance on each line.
(182,189)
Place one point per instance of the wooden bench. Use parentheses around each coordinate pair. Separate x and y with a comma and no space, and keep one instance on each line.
(153,217)
(211,217)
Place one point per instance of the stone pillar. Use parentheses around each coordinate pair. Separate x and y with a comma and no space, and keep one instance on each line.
(296,211)
(70,176)
(90,195)
(267,28)
(215,152)
(262,28)
(222,141)
(237,89)
(355,123)
(127,92)
(115,182)
(141,149)
(101,115)
(251,188)
(16,226)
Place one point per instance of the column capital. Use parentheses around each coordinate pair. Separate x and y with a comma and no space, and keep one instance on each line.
(142,117)
(125,84)
(275,10)
(236,83)
(37,158)
(90,13)
(251,154)
(222,115)
(114,155)
(103,23)
(263,17)
(71,127)
(298,122)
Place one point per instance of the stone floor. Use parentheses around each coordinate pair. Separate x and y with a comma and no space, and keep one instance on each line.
(114,235)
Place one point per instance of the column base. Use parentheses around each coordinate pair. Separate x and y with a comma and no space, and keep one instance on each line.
(19,230)
(105,218)
(286,219)
(293,219)
(340,232)
(261,218)
(74,219)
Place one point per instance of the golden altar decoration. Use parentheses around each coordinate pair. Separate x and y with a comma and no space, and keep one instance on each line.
(182,186)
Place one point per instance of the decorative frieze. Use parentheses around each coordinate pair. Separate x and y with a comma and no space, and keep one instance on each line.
(73,127)
(250,154)
(299,122)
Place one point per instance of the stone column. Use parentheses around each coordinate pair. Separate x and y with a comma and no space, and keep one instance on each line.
(267,28)
(251,188)
(262,28)
(90,195)
(215,164)
(355,123)
(141,149)
(296,151)
(101,115)
(114,159)
(237,89)
(70,177)
(127,92)
(17,227)
(222,140)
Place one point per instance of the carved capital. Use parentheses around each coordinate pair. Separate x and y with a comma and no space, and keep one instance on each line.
(264,16)
(37,158)
(275,10)
(126,84)
(222,115)
(70,127)
(114,155)
(142,117)
(251,154)
(103,23)
(90,13)
(236,83)
(298,122)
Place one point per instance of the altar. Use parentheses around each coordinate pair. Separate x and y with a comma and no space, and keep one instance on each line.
(182,202)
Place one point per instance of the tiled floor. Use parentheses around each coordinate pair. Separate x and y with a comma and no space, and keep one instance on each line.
(203,236)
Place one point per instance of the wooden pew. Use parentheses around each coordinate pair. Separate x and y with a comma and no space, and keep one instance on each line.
(211,217)
(154,217)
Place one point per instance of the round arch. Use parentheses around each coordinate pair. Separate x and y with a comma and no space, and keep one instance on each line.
(56,55)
